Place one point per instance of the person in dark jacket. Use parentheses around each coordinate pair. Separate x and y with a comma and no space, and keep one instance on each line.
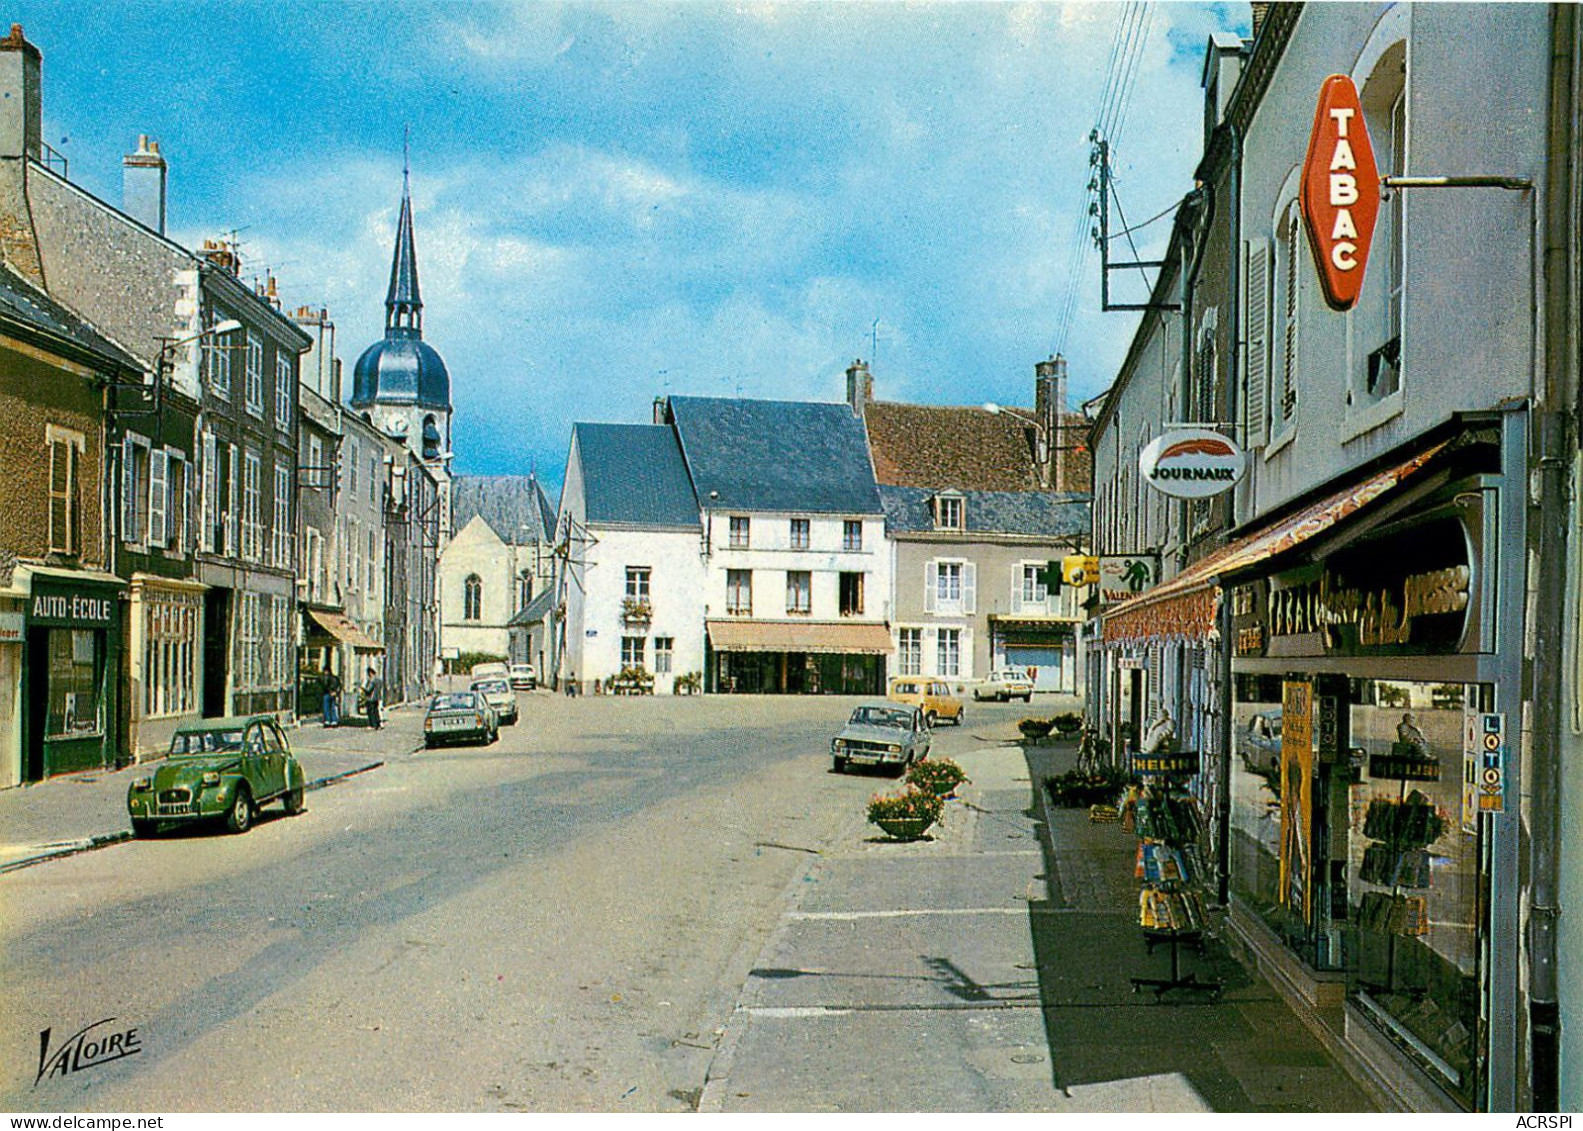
(373,692)
(332,699)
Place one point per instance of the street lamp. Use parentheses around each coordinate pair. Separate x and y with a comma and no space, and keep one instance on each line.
(162,366)
(1045,446)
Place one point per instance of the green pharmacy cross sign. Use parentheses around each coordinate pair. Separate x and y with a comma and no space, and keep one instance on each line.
(1049,577)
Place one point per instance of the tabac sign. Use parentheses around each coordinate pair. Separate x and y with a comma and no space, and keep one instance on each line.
(1340,192)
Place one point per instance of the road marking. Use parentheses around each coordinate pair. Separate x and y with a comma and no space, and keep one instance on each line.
(903,913)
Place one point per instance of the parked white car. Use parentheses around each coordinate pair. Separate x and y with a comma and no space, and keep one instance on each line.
(1004,686)
(524,677)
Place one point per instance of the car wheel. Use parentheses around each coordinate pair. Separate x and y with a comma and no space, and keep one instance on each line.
(838,765)
(239,817)
(294,803)
(143,828)
(931,718)
(429,744)
(1028,698)
(961,717)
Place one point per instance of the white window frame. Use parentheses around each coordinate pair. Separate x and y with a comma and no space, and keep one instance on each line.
(740,532)
(282,517)
(664,650)
(799,592)
(948,652)
(284,381)
(638,579)
(233,508)
(217,360)
(909,651)
(252,500)
(801,534)
(254,390)
(943,599)
(852,535)
(950,512)
(739,581)
(632,651)
(70,445)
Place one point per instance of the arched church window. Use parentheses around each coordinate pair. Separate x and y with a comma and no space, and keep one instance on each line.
(473,598)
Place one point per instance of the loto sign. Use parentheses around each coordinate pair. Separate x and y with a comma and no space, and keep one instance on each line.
(1340,192)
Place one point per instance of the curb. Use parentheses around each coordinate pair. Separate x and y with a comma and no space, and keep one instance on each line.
(105,840)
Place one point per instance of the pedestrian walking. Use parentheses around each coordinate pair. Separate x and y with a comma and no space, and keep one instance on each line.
(332,699)
(373,692)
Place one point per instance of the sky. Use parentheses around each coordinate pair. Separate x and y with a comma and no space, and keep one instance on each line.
(615,202)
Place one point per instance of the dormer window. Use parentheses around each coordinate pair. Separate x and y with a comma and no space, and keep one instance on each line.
(948,512)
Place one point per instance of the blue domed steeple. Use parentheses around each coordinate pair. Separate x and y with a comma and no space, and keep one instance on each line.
(402,369)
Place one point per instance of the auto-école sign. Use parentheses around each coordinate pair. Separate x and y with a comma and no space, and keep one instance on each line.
(1192,463)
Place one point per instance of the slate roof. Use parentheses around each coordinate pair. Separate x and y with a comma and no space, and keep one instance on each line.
(533,612)
(971,449)
(909,510)
(24,303)
(507,503)
(633,474)
(798,456)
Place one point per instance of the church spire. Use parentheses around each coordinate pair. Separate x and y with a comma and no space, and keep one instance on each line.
(403,306)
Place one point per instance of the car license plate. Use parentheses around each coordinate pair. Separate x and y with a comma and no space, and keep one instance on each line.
(173,810)
(863,758)
(453,724)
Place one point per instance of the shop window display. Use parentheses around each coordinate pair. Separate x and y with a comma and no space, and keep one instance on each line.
(1348,840)
(73,684)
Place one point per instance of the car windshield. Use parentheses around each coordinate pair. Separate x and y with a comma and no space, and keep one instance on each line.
(460,701)
(492,686)
(205,742)
(880,717)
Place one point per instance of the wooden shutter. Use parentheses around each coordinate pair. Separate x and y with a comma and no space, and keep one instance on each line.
(1256,310)
(931,579)
(231,488)
(969,587)
(158,496)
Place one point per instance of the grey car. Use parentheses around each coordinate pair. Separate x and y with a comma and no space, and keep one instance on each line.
(460,716)
(1259,741)
(881,734)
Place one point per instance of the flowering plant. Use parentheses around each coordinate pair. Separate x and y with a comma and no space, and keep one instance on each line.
(912,805)
(636,609)
(940,776)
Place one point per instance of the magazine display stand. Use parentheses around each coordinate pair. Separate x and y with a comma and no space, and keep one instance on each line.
(1170,901)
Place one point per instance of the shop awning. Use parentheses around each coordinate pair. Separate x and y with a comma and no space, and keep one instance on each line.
(1184,606)
(344,630)
(794,636)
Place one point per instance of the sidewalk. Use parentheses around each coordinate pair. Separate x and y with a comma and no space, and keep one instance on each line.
(76,812)
(987,971)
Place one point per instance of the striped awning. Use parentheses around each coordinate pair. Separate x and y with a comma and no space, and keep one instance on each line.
(1184,607)
(799,636)
(345,630)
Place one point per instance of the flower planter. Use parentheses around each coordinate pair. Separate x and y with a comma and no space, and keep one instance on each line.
(904,828)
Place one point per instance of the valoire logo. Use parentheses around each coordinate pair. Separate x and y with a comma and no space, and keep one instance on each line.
(1192,463)
(85,1048)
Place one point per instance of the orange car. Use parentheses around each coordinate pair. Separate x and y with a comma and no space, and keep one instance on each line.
(934,696)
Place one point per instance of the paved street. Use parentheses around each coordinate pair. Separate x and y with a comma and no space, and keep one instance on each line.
(626,904)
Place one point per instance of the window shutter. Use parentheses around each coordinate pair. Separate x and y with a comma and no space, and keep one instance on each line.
(158,496)
(211,493)
(1016,588)
(128,490)
(931,579)
(1257,311)
(231,486)
(1294,259)
(969,587)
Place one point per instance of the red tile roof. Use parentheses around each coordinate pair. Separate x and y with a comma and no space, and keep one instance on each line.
(971,449)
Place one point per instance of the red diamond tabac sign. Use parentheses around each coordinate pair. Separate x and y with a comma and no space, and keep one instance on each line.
(1340,192)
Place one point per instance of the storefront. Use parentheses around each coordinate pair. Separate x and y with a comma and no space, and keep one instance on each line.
(331,642)
(166,646)
(1365,818)
(1046,652)
(1359,695)
(773,657)
(70,655)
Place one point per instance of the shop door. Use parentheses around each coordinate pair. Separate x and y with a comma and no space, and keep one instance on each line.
(10,693)
(216,623)
(35,709)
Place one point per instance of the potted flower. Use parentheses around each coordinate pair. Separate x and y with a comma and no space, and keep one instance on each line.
(636,610)
(939,776)
(1036,730)
(689,683)
(905,816)
(1068,724)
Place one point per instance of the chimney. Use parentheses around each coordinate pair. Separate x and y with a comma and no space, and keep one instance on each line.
(660,408)
(1260,14)
(859,387)
(143,185)
(1049,405)
(21,97)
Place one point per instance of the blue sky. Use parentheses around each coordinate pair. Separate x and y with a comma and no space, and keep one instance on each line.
(614,202)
